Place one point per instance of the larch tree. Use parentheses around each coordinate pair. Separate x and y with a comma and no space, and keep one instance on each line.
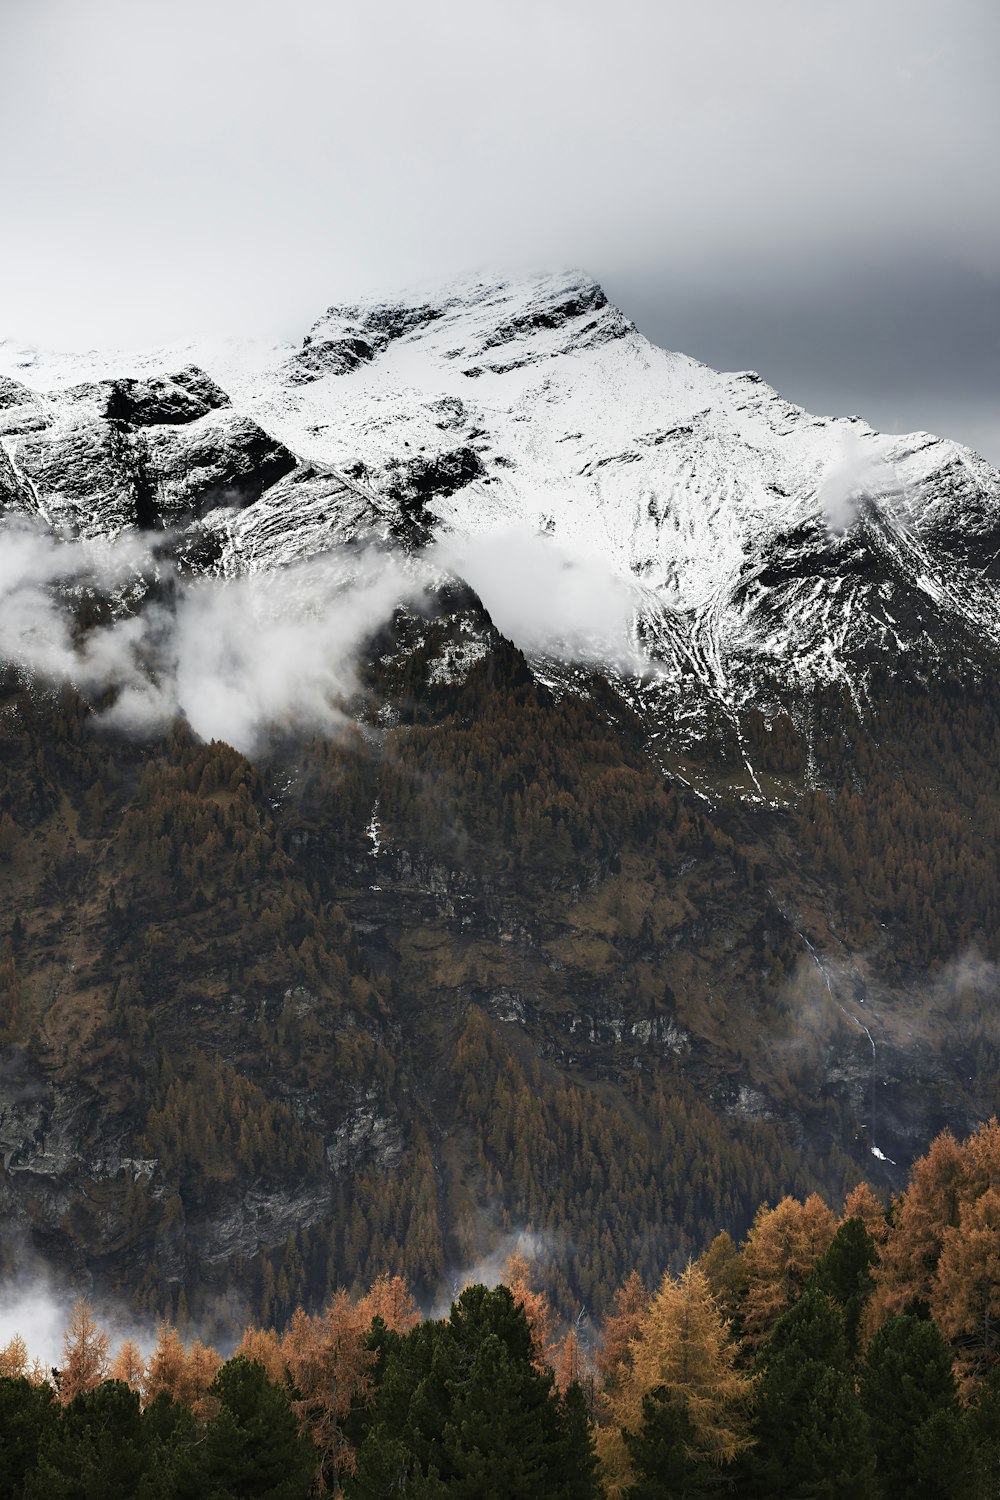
(517,1277)
(965,1292)
(14,1359)
(129,1366)
(622,1324)
(724,1265)
(929,1206)
(863,1203)
(684,1350)
(166,1373)
(390,1299)
(85,1354)
(331,1366)
(569,1364)
(261,1346)
(202,1364)
(782,1251)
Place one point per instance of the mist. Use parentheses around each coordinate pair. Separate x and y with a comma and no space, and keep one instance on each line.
(243,658)
(549,597)
(859,473)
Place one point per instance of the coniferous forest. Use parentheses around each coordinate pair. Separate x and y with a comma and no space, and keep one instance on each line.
(372,1004)
(825,1354)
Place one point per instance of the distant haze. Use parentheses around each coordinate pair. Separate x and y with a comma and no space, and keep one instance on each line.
(810,190)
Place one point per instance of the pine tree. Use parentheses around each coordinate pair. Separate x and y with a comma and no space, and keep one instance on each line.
(252,1447)
(843,1271)
(918,1435)
(812,1440)
(28,1421)
(100,1447)
(662,1455)
(463,1411)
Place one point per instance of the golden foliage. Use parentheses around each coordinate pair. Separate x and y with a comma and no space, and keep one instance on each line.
(683,1346)
(782,1249)
(85,1354)
(129,1366)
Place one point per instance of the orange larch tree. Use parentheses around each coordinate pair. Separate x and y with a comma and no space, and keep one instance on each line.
(965,1292)
(85,1354)
(390,1299)
(622,1325)
(908,1257)
(517,1278)
(331,1367)
(781,1252)
(129,1366)
(685,1348)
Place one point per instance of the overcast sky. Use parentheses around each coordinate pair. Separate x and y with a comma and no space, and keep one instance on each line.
(806,187)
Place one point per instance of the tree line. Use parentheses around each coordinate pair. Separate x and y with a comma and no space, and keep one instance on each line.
(825,1354)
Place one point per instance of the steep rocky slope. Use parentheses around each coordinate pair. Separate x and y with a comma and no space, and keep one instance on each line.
(687,896)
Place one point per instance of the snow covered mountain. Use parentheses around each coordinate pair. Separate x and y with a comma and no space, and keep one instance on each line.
(712,855)
(755,544)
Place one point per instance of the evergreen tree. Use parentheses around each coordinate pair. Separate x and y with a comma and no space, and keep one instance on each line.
(908,1391)
(462,1410)
(100,1450)
(28,1419)
(812,1439)
(663,1454)
(844,1273)
(252,1448)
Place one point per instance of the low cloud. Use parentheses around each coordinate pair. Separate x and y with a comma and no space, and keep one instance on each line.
(33,1309)
(859,474)
(236,657)
(490,1268)
(242,657)
(551,597)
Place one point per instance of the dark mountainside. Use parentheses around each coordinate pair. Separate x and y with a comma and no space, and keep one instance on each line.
(527,943)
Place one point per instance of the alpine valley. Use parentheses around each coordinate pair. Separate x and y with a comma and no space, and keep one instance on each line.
(476,773)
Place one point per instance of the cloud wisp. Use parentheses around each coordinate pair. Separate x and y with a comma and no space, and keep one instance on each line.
(241,658)
(238,658)
(550,598)
(859,474)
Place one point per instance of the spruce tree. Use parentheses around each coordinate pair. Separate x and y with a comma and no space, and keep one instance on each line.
(812,1439)
(844,1273)
(917,1430)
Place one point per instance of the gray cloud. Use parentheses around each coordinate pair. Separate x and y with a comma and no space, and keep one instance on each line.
(909,342)
(242,165)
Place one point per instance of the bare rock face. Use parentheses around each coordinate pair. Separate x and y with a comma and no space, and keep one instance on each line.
(102,457)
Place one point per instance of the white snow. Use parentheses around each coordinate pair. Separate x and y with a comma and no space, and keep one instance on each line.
(693,487)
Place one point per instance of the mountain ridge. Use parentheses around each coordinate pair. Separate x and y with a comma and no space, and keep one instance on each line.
(731,513)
